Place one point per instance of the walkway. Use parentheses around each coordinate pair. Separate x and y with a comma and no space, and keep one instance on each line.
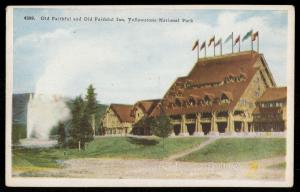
(184,153)
(161,169)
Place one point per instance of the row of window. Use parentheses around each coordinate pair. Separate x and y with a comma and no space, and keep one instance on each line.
(273,104)
(268,116)
(193,102)
(229,79)
(246,103)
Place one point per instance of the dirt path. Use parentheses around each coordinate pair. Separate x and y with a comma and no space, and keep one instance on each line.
(161,169)
(186,152)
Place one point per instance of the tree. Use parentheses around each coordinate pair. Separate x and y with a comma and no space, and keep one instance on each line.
(91,105)
(87,131)
(161,126)
(61,134)
(81,129)
(77,113)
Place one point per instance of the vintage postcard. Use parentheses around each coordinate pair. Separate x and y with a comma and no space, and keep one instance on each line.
(150,96)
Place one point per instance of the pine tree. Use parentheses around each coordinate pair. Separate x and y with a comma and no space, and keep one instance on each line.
(61,134)
(87,132)
(91,106)
(77,113)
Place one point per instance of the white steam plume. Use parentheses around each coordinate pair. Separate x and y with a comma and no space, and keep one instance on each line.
(45,112)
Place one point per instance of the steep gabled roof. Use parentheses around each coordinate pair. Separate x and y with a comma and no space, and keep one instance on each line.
(147,105)
(123,112)
(228,74)
(273,94)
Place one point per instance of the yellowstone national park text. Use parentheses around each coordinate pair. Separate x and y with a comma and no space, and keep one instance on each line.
(111,19)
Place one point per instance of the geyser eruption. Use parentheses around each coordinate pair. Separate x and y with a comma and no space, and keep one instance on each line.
(43,113)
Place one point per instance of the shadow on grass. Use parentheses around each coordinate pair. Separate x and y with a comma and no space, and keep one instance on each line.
(142,141)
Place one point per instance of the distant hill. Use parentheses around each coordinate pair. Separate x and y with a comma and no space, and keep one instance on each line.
(20,108)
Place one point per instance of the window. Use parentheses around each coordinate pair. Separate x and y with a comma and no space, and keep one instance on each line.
(243,101)
(224,99)
(192,102)
(177,103)
(207,100)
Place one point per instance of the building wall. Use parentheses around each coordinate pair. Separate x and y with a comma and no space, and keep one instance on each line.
(256,88)
(254,91)
(112,124)
(273,120)
(139,114)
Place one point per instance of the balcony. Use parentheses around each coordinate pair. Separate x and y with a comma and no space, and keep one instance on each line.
(175,121)
(222,119)
(190,121)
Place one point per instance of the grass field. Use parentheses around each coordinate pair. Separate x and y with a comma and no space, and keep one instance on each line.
(278,166)
(239,149)
(106,147)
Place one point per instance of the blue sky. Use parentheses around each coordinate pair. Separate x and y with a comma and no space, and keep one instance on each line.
(127,62)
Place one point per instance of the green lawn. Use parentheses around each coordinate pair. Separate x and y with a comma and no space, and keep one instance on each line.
(278,166)
(239,149)
(105,147)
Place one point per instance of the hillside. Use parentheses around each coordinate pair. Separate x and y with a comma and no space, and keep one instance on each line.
(20,108)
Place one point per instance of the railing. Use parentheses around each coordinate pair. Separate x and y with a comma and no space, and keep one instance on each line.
(221,118)
(175,121)
(239,118)
(190,121)
(205,119)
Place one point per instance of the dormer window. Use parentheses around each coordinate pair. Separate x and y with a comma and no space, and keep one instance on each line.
(207,100)
(224,99)
(192,101)
(177,103)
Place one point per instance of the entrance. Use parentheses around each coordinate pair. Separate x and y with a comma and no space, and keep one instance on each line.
(176,129)
(206,127)
(222,127)
(237,126)
(191,128)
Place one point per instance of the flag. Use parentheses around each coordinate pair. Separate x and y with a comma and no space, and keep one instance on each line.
(202,46)
(218,42)
(248,34)
(211,40)
(228,38)
(195,45)
(237,40)
(254,35)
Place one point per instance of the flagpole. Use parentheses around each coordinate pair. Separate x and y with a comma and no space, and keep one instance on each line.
(214,48)
(257,43)
(221,47)
(232,42)
(198,51)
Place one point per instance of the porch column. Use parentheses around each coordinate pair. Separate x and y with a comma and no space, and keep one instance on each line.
(198,123)
(245,126)
(183,125)
(214,127)
(230,124)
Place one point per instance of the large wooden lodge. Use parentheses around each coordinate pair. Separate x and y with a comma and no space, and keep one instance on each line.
(222,94)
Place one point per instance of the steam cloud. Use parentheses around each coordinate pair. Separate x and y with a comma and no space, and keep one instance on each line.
(45,112)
